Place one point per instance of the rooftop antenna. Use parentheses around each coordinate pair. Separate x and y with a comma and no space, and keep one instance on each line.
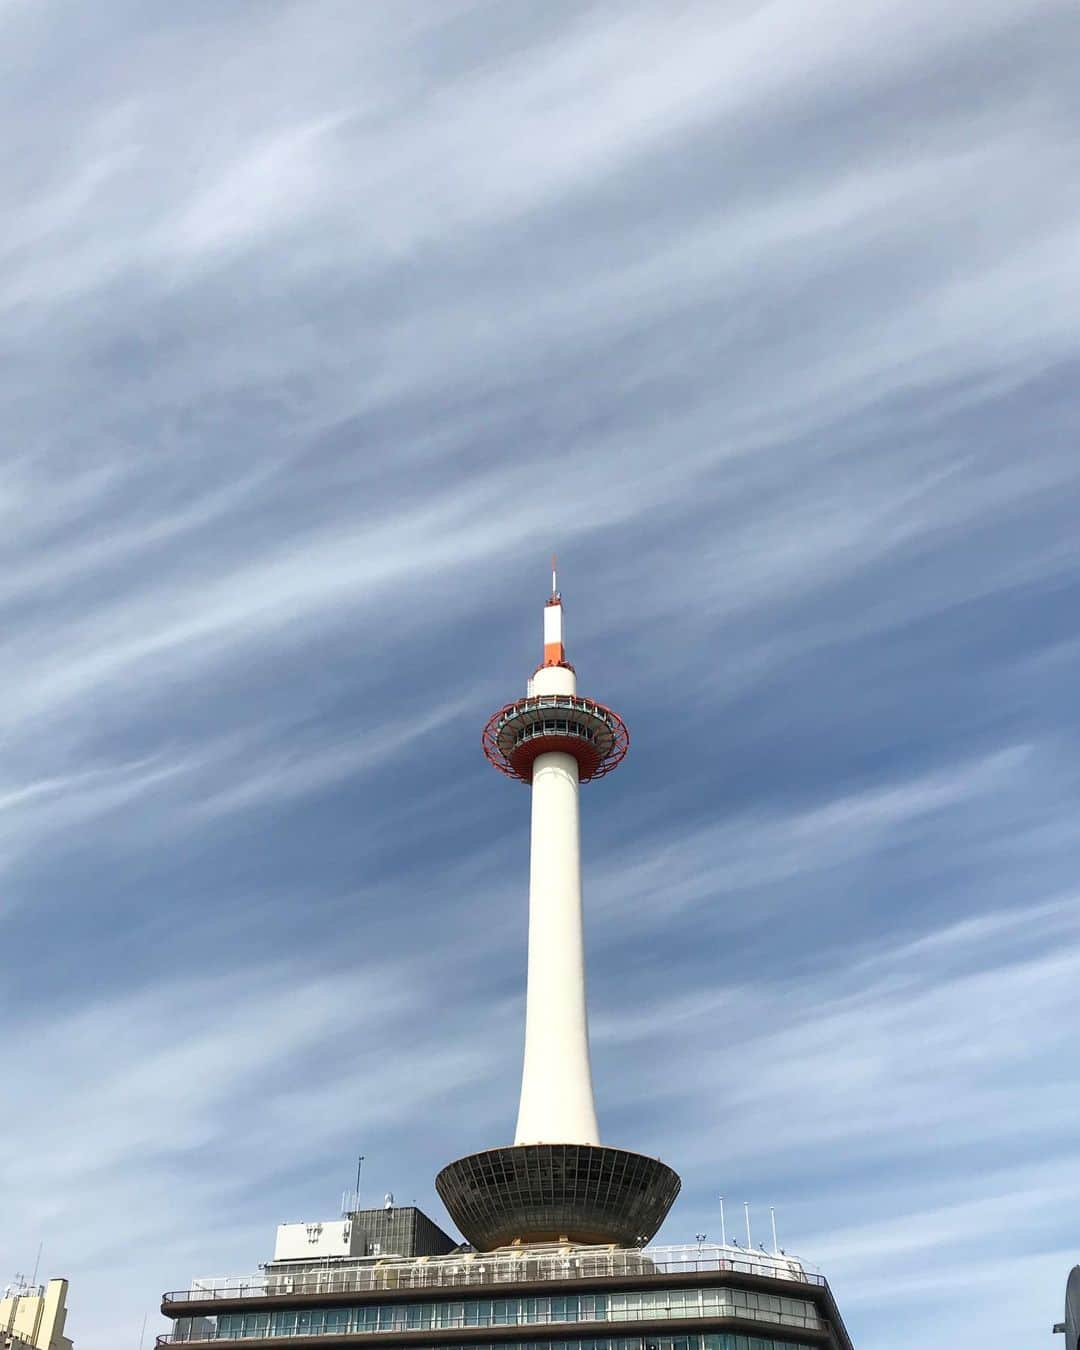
(554,577)
(746,1211)
(142,1334)
(772,1216)
(37,1262)
(351,1203)
(723,1230)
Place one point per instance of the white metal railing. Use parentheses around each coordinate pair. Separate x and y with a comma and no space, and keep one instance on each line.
(479,1269)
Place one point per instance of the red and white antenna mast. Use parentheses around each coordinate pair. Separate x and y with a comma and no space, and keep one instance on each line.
(554,650)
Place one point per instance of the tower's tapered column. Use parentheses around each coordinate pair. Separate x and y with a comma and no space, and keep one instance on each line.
(557,1182)
(556,1085)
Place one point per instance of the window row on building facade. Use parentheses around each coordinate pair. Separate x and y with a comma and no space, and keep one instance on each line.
(706,1341)
(633,1306)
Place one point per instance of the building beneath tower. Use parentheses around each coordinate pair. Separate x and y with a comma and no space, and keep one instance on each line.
(557,1225)
(537,1296)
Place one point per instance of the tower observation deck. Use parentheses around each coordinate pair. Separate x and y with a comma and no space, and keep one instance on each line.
(557,1181)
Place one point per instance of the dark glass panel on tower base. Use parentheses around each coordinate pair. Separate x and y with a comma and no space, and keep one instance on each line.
(544,1192)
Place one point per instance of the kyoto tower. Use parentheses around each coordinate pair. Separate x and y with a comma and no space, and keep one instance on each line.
(557,1181)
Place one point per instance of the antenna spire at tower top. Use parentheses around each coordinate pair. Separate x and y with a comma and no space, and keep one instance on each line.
(554,651)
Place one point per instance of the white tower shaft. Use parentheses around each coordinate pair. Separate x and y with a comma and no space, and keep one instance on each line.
(556,1087)
(558,1183)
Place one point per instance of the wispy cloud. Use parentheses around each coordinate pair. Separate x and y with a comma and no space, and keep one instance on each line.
(322,328)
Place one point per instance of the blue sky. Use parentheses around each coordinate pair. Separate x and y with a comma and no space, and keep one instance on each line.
(324,324)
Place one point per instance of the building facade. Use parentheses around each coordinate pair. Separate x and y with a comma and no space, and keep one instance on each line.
(1071,1326)
(398,1230)
(34,1317)
(533,1297)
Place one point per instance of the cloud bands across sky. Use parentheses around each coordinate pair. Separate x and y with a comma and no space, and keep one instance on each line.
(323,324)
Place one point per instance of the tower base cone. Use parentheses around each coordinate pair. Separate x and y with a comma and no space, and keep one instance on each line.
(547,1192)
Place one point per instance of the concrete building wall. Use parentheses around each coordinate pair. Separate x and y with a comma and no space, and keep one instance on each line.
(305,1241)
(401,1230)
(35,1319)
(397,1230)
(1072,1310)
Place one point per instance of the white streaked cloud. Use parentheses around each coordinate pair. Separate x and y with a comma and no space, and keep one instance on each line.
(187,1094)
(322,329)
(743,851)
(938,1073)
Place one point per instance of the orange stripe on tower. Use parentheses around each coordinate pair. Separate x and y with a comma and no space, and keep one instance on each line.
(554,651)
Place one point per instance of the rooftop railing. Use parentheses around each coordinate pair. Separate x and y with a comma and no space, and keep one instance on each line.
(483,1269)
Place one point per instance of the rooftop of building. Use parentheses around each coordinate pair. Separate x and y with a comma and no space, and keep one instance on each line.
(563,1296)
(552,1263)
(389,1230)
